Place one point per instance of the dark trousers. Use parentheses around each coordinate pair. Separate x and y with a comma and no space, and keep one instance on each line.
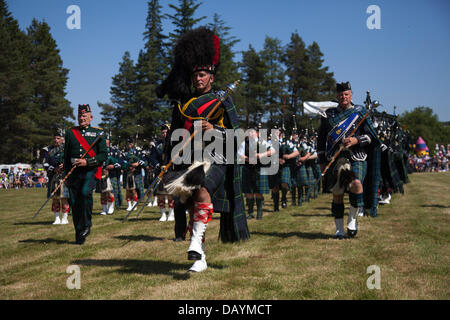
(180,219)
(81,187)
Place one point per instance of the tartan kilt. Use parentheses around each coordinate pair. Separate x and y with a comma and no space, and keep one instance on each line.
(116,189)
(302,176)
(215,184)
(253,181)
(139,181)
(311,178)
(395,180)
(360,169)
(317,172)
(286,175)
(275,179)
(224,184)
(63,191)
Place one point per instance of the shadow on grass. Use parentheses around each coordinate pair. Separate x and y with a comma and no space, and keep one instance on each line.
(137,219)
(47,240)
(139,238)
(311,215)
(145,267)
(304,235)
(34,223)
(434,206)
(322,208)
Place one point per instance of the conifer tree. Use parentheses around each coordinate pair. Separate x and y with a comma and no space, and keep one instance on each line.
(228,70)
(15,89)
(274,80)
(150,70)
(254,94)
(123,98)
(183,19)
(294,58)
(48,108)
(319,84)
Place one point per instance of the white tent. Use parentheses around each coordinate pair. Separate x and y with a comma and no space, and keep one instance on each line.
(314,108)
(16,167)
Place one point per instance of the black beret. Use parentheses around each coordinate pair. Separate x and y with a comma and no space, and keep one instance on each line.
(343,86)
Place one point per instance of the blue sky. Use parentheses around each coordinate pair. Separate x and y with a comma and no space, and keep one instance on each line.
(405,63)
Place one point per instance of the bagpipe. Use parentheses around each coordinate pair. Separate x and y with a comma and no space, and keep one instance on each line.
(334,145)
(183,183)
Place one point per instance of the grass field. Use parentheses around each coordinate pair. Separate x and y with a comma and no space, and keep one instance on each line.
(290,255)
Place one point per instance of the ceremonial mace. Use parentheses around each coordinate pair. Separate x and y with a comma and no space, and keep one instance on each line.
(372,106)
(230,88)
(68,174)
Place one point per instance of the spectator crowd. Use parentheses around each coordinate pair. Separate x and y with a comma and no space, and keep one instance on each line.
(439,162)
(23,178)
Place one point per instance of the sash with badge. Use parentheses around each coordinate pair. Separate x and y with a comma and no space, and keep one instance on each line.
(339,132)
(76,132)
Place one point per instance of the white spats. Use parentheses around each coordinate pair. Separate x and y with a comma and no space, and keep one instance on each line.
(64,218)
(57,220)
(171,216)
(110,208)
(340,232)
(199,265)
(163,215)
(198,231)
(130,206)
(352,223)
(104,209)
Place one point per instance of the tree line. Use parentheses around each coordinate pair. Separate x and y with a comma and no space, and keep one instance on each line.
(274,81)
(32,88)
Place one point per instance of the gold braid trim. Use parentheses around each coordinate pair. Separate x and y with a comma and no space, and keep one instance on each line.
(217,115)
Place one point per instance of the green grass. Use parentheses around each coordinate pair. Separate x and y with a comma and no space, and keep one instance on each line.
(290,255)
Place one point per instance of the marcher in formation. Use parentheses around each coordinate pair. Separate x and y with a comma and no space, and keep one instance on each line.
(54,156)
(86,171)
(215,184)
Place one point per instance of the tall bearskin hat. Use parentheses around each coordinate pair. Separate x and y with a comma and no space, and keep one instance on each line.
(196,50)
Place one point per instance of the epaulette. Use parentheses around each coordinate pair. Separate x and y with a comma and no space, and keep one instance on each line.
(98,128)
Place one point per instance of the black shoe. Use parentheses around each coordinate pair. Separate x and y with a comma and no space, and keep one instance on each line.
(250,216)
(283,204)
(351,233)
(79,239)
(193,255)
(85,232)
(179,239)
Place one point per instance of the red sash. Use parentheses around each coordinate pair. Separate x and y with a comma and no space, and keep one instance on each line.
(85,145)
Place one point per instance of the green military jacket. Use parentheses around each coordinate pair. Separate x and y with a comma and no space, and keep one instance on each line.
(74,150)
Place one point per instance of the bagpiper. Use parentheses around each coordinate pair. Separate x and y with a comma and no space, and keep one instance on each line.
(357,168)
(107,198)
(255,181)
(212,186)
(134,162)
(54,156)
